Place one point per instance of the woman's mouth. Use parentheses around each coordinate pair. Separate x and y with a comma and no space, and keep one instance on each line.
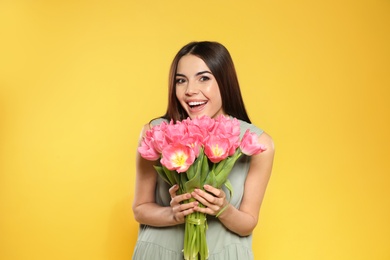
(196,105)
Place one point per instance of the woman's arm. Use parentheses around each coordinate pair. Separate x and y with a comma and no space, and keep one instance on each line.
(242,221)
(145,209)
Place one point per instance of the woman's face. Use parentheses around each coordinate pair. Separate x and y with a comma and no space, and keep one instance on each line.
(196,88)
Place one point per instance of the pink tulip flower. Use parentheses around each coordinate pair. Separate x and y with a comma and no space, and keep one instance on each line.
(230,129)
(175,132)
(159,139)
(205,123)
(178,157)
(250,144)
(217,149)
(147,150)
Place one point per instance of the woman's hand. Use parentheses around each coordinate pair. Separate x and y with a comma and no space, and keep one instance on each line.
(179,209)
(214,200)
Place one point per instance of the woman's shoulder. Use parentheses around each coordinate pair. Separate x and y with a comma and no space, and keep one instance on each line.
(253,128)
(157,121)
(151,124)
(264,137)
(154,122)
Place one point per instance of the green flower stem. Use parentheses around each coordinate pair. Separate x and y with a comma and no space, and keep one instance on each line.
(222,210)
(195,244)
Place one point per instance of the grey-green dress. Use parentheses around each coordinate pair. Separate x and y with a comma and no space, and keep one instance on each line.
(166,243)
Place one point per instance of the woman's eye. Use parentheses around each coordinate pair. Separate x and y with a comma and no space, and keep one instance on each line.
(204,78)
(180,81)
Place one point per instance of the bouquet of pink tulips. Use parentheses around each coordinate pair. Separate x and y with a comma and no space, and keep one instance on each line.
(195,152)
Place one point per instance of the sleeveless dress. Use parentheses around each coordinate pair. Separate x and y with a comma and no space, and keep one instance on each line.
(166,243)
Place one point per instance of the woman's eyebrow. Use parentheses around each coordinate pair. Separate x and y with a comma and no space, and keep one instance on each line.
(203,72)
(197,74)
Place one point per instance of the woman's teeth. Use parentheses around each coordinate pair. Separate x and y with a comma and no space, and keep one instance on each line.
(197,103)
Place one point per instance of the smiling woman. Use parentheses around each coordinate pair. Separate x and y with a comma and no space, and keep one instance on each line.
(203,82)
(196,88)
(204,61)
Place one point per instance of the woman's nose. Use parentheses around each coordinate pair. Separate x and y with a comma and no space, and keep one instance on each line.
(192,88)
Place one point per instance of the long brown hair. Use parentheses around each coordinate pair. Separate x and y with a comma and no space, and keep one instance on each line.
(219,61)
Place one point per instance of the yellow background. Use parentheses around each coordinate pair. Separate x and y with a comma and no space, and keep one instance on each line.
(78,79)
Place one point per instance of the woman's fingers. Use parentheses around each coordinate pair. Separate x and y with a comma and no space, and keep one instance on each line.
(213,200)
(178,199)
(173,190)
(180,209)
(217,192)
